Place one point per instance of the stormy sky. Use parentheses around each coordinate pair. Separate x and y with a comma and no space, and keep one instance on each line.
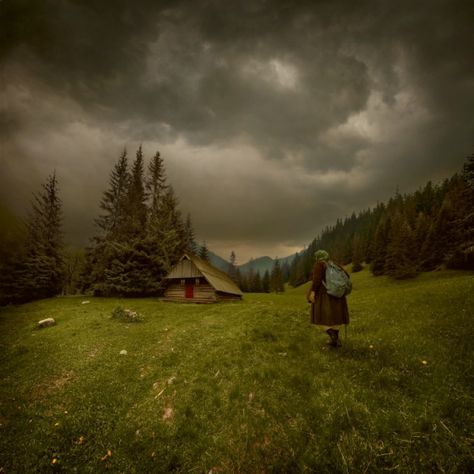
(274,118)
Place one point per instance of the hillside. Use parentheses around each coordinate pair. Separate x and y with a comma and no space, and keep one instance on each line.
(243,387)
(260,264)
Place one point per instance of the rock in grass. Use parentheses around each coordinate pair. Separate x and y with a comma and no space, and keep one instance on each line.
(123,352)
(45,323)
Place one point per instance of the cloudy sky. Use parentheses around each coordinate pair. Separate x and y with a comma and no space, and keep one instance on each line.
(274,118)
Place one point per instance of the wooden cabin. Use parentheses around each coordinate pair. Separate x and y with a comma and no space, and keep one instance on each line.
(193,280)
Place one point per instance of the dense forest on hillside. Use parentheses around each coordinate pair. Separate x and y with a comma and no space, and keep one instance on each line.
(420,231)
(141,234)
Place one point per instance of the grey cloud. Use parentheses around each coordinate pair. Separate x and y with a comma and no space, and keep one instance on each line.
(282,77)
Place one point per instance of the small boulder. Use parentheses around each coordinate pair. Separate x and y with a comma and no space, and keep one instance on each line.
(45,323)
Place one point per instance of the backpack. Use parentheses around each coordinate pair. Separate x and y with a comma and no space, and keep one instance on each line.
(337,284)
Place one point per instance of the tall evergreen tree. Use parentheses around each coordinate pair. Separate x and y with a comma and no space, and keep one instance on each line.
(276,279)
(400,261)
(463,254)
(190,240)
(41,273)
(136,198)
(155,182)
(356,253)
(204,252)
(114,201)
(381,241)
(232,267)
(266,282)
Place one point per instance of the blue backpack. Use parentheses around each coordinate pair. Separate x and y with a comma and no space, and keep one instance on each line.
(337,284)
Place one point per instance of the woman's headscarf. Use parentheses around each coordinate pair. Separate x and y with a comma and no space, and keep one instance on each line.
(321,255)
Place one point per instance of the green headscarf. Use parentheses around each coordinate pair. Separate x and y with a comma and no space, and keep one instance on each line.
(321,255)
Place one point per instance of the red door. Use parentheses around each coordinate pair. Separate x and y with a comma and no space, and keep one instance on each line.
(189,290)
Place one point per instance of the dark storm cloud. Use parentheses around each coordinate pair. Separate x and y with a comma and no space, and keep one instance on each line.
(336,102)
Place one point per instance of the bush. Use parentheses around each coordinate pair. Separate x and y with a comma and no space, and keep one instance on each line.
(126,315)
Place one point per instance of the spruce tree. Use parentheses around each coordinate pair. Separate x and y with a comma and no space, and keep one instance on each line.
(232,271)
(356,253)
(463,254)
(114,201)
(266,282)
(257,282)
(276,279)
(136,198)
(400,262)
(379,248)
(41,273)
(204,252)
(155,182)
(190,240)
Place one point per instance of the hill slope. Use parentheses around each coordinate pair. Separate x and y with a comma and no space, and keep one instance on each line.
(247,386)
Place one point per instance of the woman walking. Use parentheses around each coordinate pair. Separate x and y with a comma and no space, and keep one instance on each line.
(327,311)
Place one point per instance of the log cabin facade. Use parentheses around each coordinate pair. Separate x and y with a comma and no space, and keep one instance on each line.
(193,280)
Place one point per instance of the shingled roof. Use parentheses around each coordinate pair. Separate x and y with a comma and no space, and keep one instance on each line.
(217,278)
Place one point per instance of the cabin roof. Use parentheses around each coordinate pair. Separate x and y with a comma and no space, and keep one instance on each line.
(217,278)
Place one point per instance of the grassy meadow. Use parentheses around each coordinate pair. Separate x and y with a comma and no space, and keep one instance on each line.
(245,387)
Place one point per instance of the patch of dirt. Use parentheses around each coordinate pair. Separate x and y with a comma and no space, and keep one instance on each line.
(168,414)
(52,385)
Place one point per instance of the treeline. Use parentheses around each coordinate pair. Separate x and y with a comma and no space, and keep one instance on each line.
(254,282)
(141,231)
(415,232)
(32,266)
(141,235)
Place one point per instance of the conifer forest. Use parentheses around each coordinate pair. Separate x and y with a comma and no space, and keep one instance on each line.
(141,234)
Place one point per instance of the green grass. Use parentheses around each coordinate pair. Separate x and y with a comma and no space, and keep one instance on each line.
(243,387)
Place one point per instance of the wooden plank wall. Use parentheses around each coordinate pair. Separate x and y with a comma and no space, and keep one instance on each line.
(228,297)
(203,293)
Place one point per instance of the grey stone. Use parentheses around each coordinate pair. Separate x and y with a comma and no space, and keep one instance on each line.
(45,323)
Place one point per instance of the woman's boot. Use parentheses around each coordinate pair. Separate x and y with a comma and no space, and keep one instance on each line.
(334,335)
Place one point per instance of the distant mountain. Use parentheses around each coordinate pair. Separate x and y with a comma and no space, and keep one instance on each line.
(218,262)
(260,264)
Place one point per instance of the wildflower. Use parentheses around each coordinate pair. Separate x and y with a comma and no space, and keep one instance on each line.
(54,461)
(424,362)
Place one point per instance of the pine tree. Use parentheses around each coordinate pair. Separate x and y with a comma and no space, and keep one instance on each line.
(155,182)
(133,259)
(204,252)
(257,283)
(41,273)
(232,267)
(190,241)
(266,282)
(400,261)
(114,201)
(422,227)
(276,279)
(136,198)
(356,254)
(379,248)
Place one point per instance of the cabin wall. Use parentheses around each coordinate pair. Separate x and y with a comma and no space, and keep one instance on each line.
(202,292)
(228,297)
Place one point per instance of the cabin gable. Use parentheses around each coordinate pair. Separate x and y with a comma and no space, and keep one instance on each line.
(195,281)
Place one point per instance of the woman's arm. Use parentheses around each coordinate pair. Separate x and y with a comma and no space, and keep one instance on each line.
(318,276)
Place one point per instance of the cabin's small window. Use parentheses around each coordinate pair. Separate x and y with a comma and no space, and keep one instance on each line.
(183,281)
(197,281)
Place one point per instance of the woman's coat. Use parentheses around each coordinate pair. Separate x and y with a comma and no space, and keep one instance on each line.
(326,310)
